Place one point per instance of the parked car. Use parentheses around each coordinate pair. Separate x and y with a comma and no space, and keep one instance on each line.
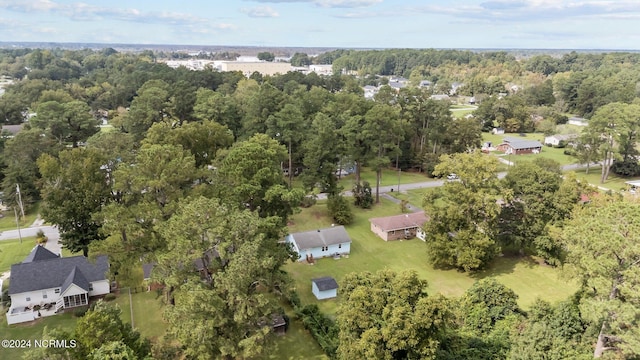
(452,177)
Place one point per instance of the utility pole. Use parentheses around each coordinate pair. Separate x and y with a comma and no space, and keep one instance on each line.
(398,165)
(17,224)
(20,200)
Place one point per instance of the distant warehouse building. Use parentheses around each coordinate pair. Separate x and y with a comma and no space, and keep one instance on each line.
(248,68)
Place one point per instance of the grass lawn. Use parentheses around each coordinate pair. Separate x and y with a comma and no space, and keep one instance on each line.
(414,197)
(547,151)
(8,221)
(147,312)
(369,253)
(297,344)
(614,182)
(13,252)
(389,177)
(460,113)
(32,331)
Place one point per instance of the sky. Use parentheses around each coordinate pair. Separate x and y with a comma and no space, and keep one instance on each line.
(492,24)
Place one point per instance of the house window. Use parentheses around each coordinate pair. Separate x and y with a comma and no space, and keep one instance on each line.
(339,246)
(44,294)
(75,300)
(57,291)
(90,287)
(28,299)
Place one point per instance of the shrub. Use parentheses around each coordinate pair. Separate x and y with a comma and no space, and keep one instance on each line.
(41,238)
(322,328)
(362,195)
(308,201)
(80,312)
(109,297)
(340,210)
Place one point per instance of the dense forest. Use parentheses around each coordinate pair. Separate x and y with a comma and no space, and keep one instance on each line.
(195,163)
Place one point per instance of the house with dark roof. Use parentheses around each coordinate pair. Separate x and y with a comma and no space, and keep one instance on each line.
(405,226)
(324,287)
(520,146)
(10,131)
(45,284)
(320,243)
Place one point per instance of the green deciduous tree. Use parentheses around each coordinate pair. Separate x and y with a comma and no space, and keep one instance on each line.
(388,315)
(67,122)
(103,325)
(249,176)
(75,187)
(463,214)
(229,314)
(339,209)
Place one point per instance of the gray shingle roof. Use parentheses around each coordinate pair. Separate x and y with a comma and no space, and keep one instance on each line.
(325,283)
(146,270)
(75,277)
(522,144)
(323,237)
(53,273)
(39,253)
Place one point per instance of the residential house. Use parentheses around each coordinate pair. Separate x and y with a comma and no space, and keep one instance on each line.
(425,84)
(11,130)
(405,226)
(396,85)
(497,131)
(454,87)
(578,121)
(320,243)
(45,284)
(370,91)
(520,146)
(324,287)
(555,140)
(443,97)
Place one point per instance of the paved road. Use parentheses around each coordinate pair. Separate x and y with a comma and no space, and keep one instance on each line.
(50,231)
(436,183)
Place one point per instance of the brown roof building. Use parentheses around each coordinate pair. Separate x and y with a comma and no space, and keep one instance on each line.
(405,226)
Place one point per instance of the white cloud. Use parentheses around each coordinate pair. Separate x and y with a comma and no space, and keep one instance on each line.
(327,3)
(85,12)
(535,10)
(260,11)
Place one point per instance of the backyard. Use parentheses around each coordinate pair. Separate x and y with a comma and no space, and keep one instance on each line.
(524,275)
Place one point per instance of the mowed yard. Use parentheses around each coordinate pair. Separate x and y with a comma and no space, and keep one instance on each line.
(525,276)
(547,152)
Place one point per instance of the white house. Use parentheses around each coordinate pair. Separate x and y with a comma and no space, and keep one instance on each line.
(320,243)
(44,284)
(554,140)
(324,287)
(578,121)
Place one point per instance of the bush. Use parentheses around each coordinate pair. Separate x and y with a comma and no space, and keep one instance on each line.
(41,238)
(308,201)
(340,210)
(80,312)
(323,329)
(362,195)
(109,297)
